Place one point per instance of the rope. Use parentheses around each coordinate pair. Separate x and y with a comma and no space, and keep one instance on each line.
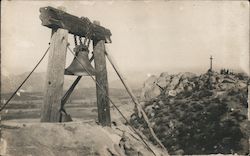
(2,107)
(75,40)
(136,102)
(113,103)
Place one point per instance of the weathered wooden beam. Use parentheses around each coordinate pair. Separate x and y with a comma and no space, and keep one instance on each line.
(55,18)
(102,78)
(55,76)
(69,91)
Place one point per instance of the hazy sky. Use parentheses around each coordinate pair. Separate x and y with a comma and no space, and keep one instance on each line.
(147,36)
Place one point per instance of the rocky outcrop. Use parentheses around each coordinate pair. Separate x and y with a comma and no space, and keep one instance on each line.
(197,114)
(172,85)
(167,84)
(71,138)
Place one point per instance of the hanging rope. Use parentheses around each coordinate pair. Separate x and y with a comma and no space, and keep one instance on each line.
(75,40)
(2,107)
(113,103)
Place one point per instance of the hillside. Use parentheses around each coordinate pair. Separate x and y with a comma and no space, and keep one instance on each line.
(197,114)
(36,82)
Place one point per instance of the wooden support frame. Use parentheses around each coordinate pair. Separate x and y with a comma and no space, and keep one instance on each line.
(59,20)
(103,104)
(55,76)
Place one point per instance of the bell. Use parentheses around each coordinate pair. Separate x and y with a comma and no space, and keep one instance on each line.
(80,65)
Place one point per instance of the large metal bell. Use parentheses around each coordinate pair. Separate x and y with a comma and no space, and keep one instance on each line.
(80,65)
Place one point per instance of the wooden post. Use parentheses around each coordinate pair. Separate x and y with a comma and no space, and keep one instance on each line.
(55,76)
(102,78)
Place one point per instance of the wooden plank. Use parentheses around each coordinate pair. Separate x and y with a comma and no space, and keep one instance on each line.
(102,78)
(55,77)
(55,18)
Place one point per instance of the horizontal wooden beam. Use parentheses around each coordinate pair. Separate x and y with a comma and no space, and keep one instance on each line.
(55,18)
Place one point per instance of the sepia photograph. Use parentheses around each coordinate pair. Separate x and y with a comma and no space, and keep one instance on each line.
(124,78)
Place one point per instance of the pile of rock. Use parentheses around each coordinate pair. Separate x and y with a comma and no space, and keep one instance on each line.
(193,114)
(170,85)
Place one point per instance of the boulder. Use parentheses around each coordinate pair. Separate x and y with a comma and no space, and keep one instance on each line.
(149,109)
(164,80)
(161,103)
(153,92)
(164,74)
(174,82)
(226,86)
(180,89)
(228,80)
(147,86)
(212,79)
(188,75)
(172,93)
(241,85)
(161,81)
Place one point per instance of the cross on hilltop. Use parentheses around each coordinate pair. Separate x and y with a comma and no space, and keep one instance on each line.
(211,63)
